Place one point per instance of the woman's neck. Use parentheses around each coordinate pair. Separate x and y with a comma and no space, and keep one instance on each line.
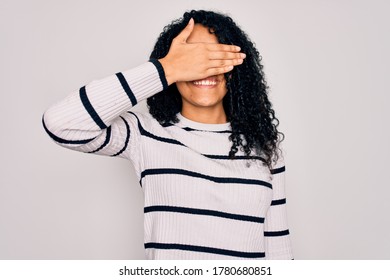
(205,115)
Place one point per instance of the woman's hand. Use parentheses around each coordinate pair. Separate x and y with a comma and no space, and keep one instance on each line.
(195,61)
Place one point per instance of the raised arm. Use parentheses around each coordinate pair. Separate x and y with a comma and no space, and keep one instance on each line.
(93,119)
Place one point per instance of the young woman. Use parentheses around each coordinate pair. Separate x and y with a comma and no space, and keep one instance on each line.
(206,156)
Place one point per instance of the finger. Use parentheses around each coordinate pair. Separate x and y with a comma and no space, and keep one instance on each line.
(224,63)
(186,32)
(219,70)
(223,48)
(226,55)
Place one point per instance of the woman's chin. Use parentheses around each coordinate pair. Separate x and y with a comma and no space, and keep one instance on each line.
(204,103)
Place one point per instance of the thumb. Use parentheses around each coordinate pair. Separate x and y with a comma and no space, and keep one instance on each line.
(186,32)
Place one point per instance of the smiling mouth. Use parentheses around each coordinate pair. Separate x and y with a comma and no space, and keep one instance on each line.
(208,82)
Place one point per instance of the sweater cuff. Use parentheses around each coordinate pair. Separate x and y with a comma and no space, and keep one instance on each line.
(161,72)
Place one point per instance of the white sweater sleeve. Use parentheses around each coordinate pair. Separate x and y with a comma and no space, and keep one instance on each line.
(95,120)
(276,232)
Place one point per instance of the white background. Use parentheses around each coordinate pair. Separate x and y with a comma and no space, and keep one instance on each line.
(326,62)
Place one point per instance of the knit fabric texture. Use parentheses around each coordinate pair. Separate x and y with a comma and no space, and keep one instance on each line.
(198,203)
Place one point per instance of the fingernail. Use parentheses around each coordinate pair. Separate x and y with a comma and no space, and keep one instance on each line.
(243,55)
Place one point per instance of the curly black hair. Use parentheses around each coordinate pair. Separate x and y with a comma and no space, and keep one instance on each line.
(246,103)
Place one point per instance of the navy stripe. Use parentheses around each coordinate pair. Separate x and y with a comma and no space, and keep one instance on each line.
(276,233)
(236,157)
(150,135)
(161,72)
(127,138)
(146,133)
(126,88)
(186,247)
(213,131)
(206,212)
(91,111)
(64,141)
(158,138)
(173,141)
(207,177)
(278,170)
(108,136)
(278,202)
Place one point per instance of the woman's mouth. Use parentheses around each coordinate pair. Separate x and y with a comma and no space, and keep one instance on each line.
(206,83)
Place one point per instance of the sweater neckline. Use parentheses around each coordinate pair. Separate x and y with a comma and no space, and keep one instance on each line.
(184,122)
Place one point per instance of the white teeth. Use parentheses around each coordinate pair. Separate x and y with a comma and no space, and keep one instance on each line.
(205,83)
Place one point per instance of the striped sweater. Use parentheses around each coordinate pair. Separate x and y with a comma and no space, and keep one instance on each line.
(198,203)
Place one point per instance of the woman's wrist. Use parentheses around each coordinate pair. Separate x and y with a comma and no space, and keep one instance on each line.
(169,73)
